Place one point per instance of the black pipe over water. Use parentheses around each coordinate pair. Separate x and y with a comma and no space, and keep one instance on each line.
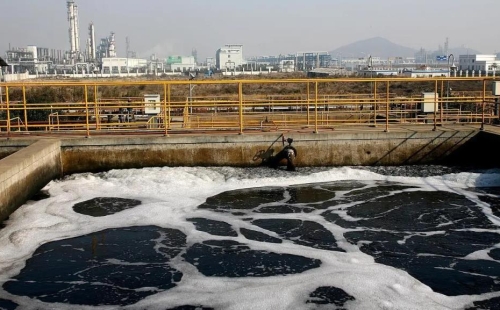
(288,153)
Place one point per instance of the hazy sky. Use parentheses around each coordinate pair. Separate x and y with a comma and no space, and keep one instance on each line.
(265,27)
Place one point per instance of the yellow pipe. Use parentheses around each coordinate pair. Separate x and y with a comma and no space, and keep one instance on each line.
(97,117)
(308,101)
(8,109)
(316,107)
(375,101)
(169,103)
(435,104)
(240,95)
(441,103)
(25,110)
(387,108)
(165,94)
(87,110)
(484,104)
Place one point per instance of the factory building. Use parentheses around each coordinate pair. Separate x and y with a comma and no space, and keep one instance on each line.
(482,63)
(310,60)
(31,59)
(181,63)
(210,62)
(426,72)
(123,65)
(302,61)
(229,57)
(107,48)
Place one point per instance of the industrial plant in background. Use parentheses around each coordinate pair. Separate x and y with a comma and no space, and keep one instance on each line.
(100,58)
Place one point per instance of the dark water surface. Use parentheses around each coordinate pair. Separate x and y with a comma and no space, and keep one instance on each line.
(429,234)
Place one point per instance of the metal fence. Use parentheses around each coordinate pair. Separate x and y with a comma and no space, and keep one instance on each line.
(119,107)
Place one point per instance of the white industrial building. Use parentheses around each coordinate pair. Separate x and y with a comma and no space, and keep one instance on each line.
(229,57)
(483,63)
(181,63)
(426,73)
(123,65)
(377,72)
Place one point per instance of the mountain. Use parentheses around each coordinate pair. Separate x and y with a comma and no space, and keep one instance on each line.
(377,47)
(457,51)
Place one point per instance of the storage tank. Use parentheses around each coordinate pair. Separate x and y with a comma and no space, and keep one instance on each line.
(33,50)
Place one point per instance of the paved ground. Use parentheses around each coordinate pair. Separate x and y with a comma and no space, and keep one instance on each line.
(357,128)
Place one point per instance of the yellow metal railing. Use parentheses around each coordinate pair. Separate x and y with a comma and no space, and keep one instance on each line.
(17,126)
(241,108)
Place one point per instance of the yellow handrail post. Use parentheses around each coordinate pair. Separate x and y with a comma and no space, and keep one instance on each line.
(25,109)
(308,101)
(435,104)
(169,90)
(165,94)
(240,97)
(387,107)
(441,103)
(87,110)
(97,114)
(7,102)
(484,104)
(316,107)
(375,104)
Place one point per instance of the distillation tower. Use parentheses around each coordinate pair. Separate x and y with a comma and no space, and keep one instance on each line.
(91,44)
(74,37)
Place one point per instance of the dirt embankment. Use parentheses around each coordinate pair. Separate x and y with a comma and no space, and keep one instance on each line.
(48,94)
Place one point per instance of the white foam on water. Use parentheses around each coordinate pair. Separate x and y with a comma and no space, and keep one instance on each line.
(171,195)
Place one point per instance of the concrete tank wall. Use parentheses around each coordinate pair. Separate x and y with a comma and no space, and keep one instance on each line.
(8,147)
(25,172)
(325,149)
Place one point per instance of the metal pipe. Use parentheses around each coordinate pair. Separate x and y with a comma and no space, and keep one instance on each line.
(484,104)
(451,69)
(308,100)
(240,97)
(169,90)
(435,104)
(25,109)
(165,94)
(87,111)
(375,104)
(441,104)
(387,107)
(98,114)
(7,102)
(316,107)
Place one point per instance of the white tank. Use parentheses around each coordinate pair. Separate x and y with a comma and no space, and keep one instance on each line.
(32,49)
